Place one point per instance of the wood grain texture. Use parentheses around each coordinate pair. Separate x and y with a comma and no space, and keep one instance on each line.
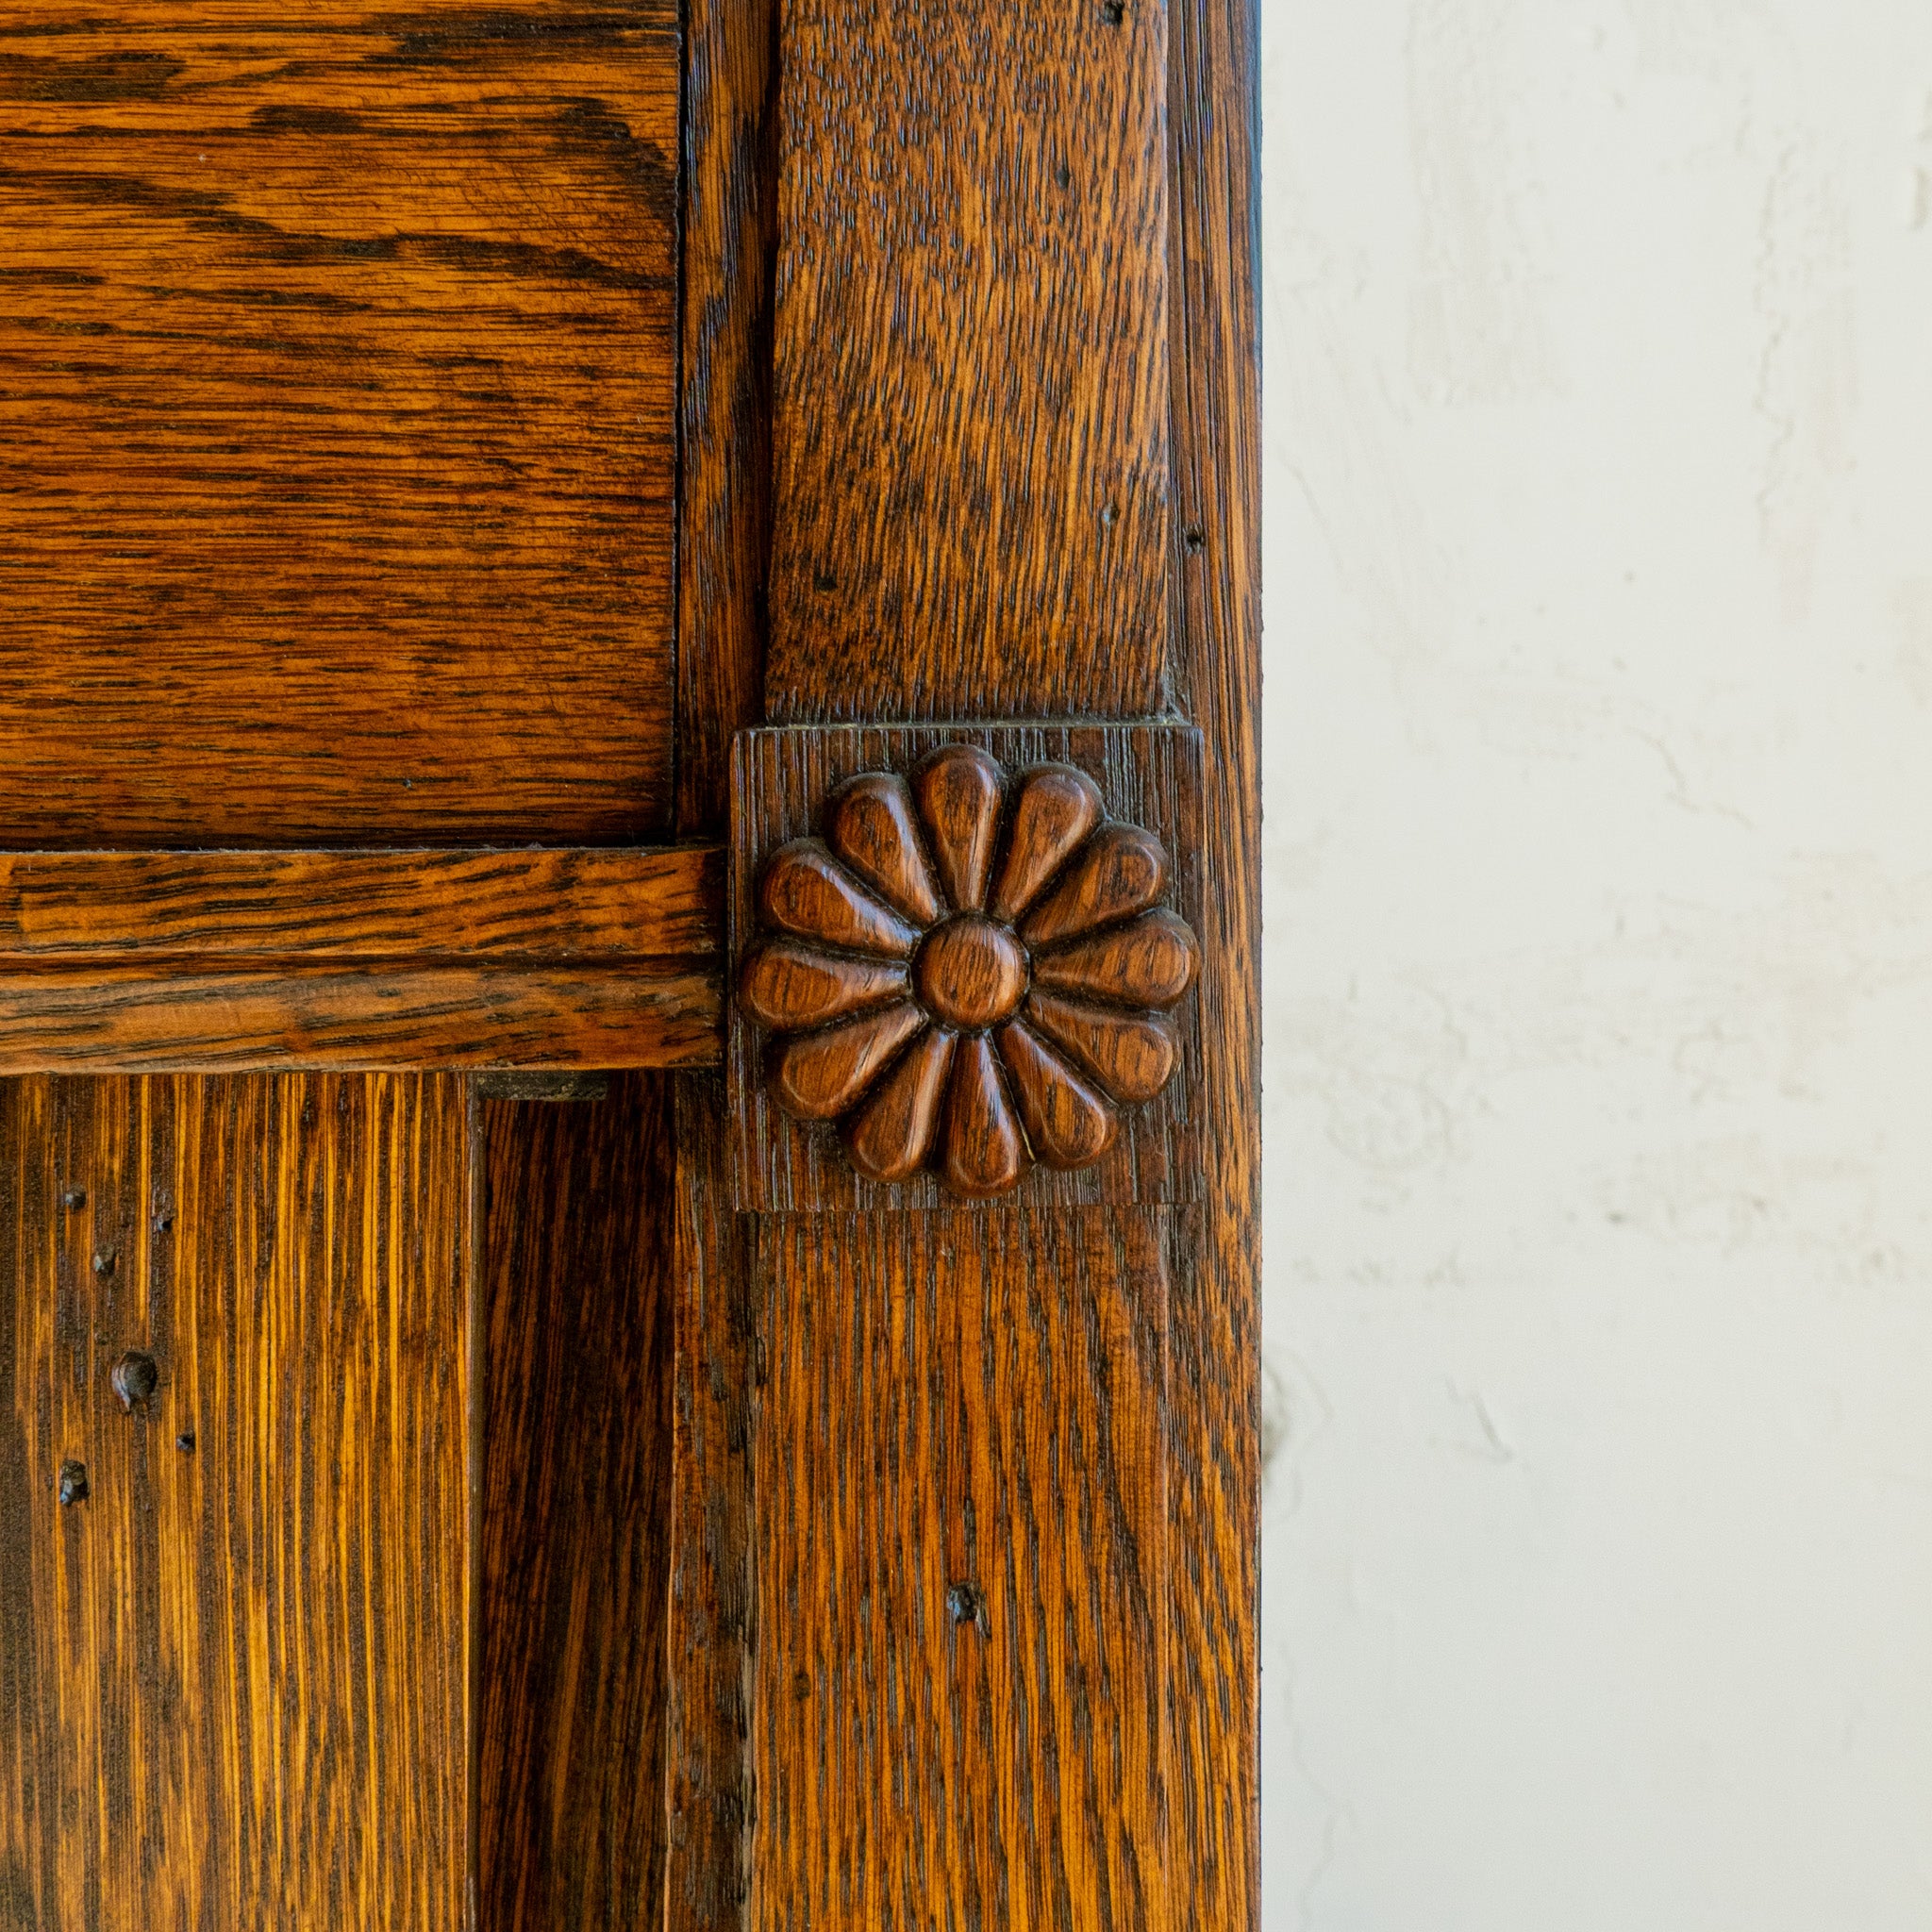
(723,525)
(786,781)
(1121,870)
(161,1016)
(962,1712)
(803,889)
(1215,1481)
(715,1557)
(724,543)
(574,1247)
(232,1679)
(338,365)
(971,508)
(572,903)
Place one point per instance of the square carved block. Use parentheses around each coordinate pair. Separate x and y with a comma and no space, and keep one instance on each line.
(962,957)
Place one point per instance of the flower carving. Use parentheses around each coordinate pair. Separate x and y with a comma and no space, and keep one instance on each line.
(967,975)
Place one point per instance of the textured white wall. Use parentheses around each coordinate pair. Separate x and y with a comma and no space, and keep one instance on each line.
(1598,1517)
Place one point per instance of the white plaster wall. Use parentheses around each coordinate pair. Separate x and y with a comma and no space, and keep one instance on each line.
(1597,1559)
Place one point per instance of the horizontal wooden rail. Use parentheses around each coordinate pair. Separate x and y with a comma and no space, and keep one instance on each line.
(180,961)
(536,903)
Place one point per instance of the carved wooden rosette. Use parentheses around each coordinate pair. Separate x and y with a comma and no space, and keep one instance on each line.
(963,965)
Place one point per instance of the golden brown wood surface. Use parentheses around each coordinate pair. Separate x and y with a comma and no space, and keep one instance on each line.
(558,903)
(574,1240)
(338,354)
(232,1676)
(970,505)
(962,1662)
(350,1015)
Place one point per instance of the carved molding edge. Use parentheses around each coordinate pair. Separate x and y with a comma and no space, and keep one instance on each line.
(963,972)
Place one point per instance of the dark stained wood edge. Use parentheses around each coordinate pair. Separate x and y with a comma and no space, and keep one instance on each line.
(730,244)
(712,1630)
(570,1484)
(357,1017)
(475,1319)
(1214,1419)
(545,903)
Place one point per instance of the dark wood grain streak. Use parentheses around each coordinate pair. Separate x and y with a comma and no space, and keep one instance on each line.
(1147,774)
(575,1263)
(971,401)
(962,1713)
(232,1680)
(168,1016)
(338,372)
(597,903)
(716,1555)
(724,521)
(1215,1423)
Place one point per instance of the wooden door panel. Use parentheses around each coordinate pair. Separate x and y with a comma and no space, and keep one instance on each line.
(1013,480)
(297,1671)
(337,423)
(434,443)
(233,1674)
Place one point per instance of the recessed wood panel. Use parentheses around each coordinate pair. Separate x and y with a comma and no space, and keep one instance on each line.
(232,1673)
(336,393)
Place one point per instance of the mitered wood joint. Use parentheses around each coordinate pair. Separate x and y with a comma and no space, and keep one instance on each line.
(963,962)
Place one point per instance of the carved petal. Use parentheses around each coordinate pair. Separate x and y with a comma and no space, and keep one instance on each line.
(1131,1055)
(819,1076)
(1149,963)
(788,987)
(1122,871)
(1058,807)
(806,891)
(984,1152)
(1068,1122)
(874,832)
(959,791)
(894,1133)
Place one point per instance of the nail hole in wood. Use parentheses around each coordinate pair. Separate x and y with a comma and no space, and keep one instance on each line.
(966,1604)
(73,1488)
(74,1197)
(134,1377)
